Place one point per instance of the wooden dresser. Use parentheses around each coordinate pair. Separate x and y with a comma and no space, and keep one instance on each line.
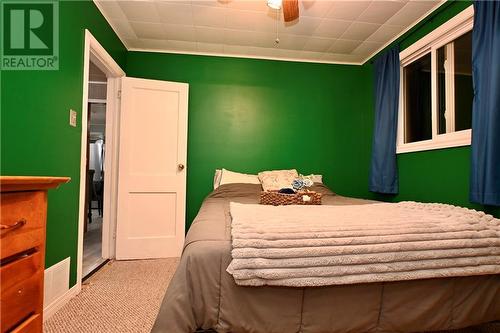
(23,212)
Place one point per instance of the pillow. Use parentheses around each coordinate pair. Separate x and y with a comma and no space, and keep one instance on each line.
(277,179)
(315,178)
(230,177)
(217,175)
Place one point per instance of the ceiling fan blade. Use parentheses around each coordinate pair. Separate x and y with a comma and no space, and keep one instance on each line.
(290,10)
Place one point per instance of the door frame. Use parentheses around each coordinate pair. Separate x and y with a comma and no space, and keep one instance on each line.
(94,51)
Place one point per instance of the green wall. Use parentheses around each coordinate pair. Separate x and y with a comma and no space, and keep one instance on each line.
(36,138)
(250,115)
(436,175)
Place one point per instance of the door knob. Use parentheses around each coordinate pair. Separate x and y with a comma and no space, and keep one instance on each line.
(181,167)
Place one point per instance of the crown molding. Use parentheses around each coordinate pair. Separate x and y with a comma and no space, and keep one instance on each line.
(229,55)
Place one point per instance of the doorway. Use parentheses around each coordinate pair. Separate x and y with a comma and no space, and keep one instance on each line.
(96,148)
(120,141)
(99,158)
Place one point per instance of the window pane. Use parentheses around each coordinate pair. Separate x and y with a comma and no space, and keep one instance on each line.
(441,83)
(454,83)
(463,82)
(417,92)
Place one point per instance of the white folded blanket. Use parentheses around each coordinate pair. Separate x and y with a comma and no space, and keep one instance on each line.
(301,246)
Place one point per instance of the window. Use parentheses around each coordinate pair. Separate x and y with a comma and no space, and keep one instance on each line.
(436,88)
(417,92)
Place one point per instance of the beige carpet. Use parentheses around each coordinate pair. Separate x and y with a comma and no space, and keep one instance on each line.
(125,296)
(122,297)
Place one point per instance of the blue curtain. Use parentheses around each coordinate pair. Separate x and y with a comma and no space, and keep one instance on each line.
(384,173)
(485,169)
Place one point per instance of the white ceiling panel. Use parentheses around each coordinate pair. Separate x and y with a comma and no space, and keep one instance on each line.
(153,44)
(212,3)
(344,46)
(312,55)
(209,16)
(347,10)
(112,10)
(318,44)
(210,35)
(315,8)
(179,32)
(304,26)
(380,11)
(209,47)
(236,49)
(258,6)
(360,30)
(411,12)
(267,21)
(292,42)
(175,13)
(269,52)
(336,31)
(148,30)
(143,11)
(135,43)
(385,30)
(367,47)
(244,20)
(335,57)
(331,28)
(179,46)
(239,37)
(126,30)
(265,40)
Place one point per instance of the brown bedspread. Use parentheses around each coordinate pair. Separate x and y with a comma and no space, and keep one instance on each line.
(203,295)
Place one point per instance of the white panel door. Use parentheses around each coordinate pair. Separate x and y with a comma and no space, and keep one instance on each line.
(152,173)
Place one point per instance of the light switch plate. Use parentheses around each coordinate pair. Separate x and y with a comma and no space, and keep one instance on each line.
(72,117)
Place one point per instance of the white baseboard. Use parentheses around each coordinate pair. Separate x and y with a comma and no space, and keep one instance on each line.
(58,303)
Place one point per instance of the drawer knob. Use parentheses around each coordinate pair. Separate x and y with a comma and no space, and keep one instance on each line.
(10,227)
(20,291)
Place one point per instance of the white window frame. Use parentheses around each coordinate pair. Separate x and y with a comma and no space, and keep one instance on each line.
(446,33)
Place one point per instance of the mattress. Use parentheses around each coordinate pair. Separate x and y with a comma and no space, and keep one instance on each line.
(203,295)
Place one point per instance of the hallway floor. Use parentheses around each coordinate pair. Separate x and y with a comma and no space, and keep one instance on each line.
(92,244)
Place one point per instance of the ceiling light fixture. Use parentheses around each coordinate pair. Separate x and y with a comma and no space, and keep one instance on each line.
(274,4)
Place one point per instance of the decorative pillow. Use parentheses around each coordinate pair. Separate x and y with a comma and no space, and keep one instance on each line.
(315,178)
(230,177)
(277,179)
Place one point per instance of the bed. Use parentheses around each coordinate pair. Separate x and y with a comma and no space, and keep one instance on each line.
(202,295)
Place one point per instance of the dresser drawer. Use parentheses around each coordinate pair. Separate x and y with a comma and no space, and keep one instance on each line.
(22,291)
(23,268)
(22,218)
(31,325)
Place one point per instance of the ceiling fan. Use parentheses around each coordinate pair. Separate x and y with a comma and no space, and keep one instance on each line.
(290,8)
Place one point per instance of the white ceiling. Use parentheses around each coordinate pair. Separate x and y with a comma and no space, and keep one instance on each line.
(327,31)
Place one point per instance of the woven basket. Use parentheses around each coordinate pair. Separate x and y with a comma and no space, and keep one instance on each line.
(300,198)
